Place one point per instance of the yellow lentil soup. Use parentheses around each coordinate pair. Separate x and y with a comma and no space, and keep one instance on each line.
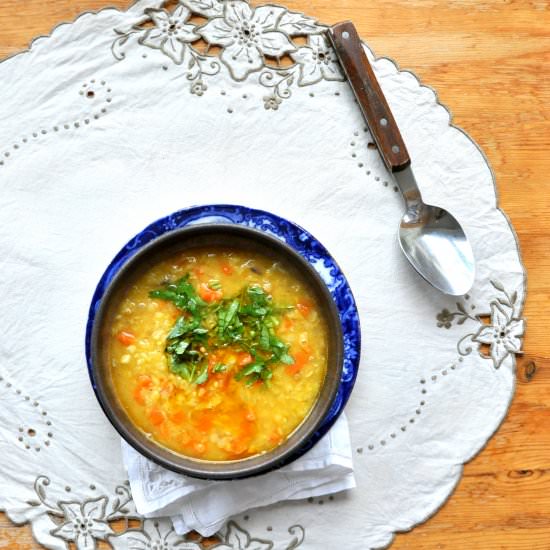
(218,354)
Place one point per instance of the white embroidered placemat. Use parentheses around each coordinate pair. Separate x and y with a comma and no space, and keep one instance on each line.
(119,119)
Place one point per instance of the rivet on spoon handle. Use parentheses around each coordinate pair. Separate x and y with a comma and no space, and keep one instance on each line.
(369,95)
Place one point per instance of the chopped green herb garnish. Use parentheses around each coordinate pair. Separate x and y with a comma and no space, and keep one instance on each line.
(182,294)
(245,323)
(214,284)
(203,375)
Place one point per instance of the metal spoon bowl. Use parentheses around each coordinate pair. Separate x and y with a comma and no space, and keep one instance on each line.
(433,241)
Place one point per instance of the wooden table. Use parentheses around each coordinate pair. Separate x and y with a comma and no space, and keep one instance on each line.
(487,60)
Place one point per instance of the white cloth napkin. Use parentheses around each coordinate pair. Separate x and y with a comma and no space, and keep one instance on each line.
(205,506)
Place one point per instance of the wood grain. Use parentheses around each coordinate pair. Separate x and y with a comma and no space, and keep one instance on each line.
(489,62)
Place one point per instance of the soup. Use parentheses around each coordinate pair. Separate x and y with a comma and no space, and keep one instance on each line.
(218,354)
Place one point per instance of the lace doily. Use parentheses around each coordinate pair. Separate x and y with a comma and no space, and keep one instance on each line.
(120,118)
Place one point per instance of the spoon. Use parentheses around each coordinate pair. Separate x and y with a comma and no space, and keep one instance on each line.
(430,237)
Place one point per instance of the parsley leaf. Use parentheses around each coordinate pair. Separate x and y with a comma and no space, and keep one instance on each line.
(264,338)
(245,323)
(202,377)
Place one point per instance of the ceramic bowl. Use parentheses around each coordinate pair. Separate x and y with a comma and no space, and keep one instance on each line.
(124,271)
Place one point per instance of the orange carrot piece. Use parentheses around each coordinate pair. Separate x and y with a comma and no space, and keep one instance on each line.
(203,421)
(304,307)
(240,443)
(144,381)
(244,359)
(291,370)
(248,425)
(276,438)
(287,323)
(156,417)
(126,338)
(227,269)
(238,446)
(165,432)
(138,396)
(209,295)
(306,348)
(177,417)
(301,358)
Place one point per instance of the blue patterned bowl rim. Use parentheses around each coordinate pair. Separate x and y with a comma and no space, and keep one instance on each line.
(294,236)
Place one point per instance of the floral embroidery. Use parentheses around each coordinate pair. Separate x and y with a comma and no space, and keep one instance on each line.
(87,521)
(84,523)
(237,538)
(246,36)
(445,319)
(317,61)
(171,32)
(206,8)
(252,40)
(272,102)
(503,333)
(198,88)
(153,535)
(172,36)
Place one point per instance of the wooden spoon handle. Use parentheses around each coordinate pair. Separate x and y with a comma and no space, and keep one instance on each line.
(369,95)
